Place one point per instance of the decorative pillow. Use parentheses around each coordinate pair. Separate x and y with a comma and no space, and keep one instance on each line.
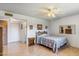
(43,35)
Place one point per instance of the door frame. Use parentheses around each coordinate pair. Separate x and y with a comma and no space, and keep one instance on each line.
(3,25)
(1,41)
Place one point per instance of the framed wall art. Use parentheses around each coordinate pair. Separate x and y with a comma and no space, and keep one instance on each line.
(67,29)
(31,27)
(21,26)
(39,26)
(46,27)
(61,29)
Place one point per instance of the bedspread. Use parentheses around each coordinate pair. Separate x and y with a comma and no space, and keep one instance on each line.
(52,42)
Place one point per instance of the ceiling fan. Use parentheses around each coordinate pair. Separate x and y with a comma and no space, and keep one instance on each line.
(50,11)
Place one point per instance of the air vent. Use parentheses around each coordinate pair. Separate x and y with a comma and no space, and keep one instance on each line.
(8,14)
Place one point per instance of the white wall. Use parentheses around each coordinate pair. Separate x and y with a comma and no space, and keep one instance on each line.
(72,38)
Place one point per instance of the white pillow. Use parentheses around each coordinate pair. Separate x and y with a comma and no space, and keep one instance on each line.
(43,35)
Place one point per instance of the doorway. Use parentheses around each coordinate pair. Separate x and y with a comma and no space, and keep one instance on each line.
(3,25)
(1,43)
(17,31)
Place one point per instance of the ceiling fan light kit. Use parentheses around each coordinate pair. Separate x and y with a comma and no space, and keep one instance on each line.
(51,12)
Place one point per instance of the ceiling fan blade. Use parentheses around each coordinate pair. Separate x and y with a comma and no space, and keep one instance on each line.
(50,11)
(44,10)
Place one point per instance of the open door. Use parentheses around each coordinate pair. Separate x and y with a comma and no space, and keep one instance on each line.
(1,41)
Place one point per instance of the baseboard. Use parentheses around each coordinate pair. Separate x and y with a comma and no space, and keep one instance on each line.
(13,42)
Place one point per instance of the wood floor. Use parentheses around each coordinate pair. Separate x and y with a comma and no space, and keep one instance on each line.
(21,49)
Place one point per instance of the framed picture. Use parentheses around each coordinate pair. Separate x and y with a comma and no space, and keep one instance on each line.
(67,29)
(69,26)
(31,27)
(61,29)
(21,25)
(39,26)
(46,27)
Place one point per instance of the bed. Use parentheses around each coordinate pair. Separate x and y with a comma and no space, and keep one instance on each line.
(54,42)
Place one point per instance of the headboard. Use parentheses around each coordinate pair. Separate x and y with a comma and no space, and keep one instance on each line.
(41,32)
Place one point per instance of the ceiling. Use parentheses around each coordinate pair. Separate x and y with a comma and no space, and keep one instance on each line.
(31,9)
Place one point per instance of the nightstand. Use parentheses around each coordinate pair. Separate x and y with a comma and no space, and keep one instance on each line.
(31,41)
